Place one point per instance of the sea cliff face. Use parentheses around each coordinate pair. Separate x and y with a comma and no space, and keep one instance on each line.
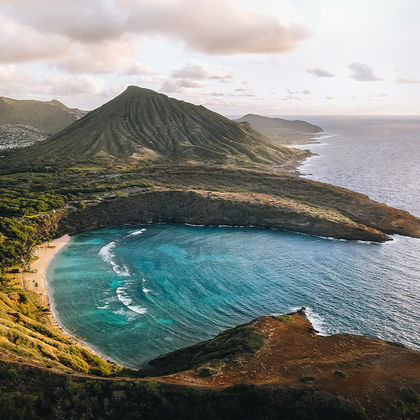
(236,209)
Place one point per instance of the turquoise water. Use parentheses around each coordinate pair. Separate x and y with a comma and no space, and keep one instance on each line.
(140,292)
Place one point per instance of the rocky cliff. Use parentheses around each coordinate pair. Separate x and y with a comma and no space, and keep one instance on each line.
(236,209)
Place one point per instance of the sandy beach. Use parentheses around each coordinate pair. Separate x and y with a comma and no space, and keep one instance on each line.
(35,280)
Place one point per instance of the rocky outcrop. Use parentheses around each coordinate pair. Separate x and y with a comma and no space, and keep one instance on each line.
(376,373)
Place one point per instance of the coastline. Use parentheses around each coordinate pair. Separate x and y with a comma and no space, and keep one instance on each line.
(35,280)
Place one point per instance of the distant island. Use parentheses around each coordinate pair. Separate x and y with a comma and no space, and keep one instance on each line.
(144,157)
(282,131)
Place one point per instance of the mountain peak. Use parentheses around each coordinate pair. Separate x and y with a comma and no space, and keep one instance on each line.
(55,102)
(133,89)
(143,125)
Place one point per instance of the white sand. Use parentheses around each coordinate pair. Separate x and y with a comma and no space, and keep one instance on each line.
(36,281)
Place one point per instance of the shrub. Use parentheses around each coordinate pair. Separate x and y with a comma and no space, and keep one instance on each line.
(340,374)
(206,372)
(282,318)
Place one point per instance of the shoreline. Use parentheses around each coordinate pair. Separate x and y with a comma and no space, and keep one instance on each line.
(36,281)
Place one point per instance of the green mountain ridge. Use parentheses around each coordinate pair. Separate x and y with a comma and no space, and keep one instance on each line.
(25,122)
(48,117)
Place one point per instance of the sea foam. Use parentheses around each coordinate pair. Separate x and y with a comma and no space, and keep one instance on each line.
(317,321)
(127,301)
(108,256)
(136,232)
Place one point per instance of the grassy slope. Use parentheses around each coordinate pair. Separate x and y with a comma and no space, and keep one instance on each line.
(235,341)
(26,334)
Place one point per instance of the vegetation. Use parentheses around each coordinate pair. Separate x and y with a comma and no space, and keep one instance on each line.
(25,332)
(29,393)
(235,341)
(282,318)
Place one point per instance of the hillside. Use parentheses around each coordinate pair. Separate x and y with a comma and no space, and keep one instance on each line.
(286,351)
(141,125)
(272,367)
(24,122)
(282,131)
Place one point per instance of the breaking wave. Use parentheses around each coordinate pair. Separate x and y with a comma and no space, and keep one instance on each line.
(127,301)
(108,256)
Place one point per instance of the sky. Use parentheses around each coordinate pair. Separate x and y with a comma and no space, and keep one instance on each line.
(271,57)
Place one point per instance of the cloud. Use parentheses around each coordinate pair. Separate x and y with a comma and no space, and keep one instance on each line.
(17,83)
(106,57)
(71,86)
(211,26)
(296,95)
(199,72)
(318,72)
(140,69)
(192,75)
(13,80)
(363,73)
(243,92)
(179,85)
(299,92)
(21,43)
(215,26)
(78,20)
(407,81)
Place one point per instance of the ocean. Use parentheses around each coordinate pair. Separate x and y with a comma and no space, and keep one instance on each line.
(136,293)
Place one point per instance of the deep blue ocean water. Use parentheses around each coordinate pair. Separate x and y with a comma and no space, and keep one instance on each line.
(139,292)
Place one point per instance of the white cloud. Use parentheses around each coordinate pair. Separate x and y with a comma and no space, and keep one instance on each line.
(106,57)
(211,26)
(13,80)
(179,85)
(299,92)
(199,72)
(140,69)
(22,43)
(19,84)
(363,73)
(407,81)
(319,72)
(71,86)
